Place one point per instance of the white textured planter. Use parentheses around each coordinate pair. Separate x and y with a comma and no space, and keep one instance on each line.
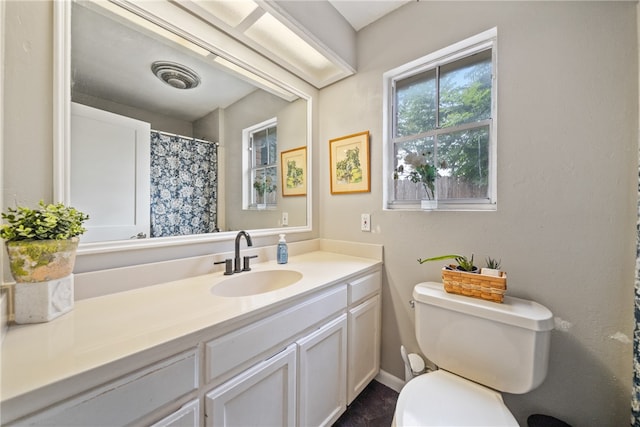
(491,272)
(43,301)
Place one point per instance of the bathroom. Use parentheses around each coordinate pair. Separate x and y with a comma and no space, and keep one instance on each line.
(564,227)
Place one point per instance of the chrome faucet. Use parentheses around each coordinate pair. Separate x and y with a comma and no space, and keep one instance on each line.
(238,268)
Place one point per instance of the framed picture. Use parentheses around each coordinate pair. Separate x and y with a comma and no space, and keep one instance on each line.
(293,166)
(349,163)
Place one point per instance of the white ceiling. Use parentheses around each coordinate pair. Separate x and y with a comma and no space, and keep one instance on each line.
(360,13)
(119,70)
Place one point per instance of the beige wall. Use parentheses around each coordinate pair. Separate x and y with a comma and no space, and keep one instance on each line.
(249,111)
(567,177)
(28,97)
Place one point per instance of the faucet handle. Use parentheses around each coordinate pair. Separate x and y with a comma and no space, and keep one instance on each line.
(228,267)
(245,262)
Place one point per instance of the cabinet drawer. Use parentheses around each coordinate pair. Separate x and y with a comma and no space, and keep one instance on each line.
(128,399)
(363,287)
(231,353)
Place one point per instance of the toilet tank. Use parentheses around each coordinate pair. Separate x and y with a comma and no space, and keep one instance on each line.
(502,346)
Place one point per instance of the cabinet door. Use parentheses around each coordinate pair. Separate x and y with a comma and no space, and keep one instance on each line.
(322,372)
(364,346)
(264,395)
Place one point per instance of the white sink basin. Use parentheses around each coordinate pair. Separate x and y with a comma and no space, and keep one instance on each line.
(255,282)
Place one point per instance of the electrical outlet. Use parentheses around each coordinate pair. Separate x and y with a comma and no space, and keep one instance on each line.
(365,222)
(285,218)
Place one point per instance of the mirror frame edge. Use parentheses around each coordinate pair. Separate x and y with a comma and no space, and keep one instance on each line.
(62,144)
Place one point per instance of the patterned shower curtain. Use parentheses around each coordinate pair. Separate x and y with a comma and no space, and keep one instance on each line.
(184,177)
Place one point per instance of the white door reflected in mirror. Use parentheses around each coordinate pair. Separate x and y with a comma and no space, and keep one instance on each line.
(114,189)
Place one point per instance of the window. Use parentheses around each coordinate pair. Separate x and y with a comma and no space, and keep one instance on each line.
(439,126)
(260,185)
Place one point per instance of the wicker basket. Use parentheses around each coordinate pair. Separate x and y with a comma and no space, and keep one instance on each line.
(475,285)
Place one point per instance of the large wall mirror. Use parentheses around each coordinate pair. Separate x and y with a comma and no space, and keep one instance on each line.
(168,139)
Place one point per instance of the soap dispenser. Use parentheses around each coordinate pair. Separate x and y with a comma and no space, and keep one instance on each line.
(283,252)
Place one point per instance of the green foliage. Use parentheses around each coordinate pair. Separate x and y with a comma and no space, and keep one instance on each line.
(295,175)
(348,170)
(423,171)
(493,263)
(49,222)
(264,184)
(464,97)
(464,263)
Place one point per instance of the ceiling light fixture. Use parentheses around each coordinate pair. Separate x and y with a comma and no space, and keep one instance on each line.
(175,75)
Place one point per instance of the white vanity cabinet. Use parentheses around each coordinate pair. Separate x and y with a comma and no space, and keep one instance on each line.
(304,384)
(293,362)
(258,383)
(364,333)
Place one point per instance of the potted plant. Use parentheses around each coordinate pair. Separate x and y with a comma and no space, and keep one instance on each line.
(41,244)
(424,172)
(492,268)
(262,186)
(464,263)
(464,279)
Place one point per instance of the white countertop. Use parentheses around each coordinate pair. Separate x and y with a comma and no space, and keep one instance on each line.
(101,330)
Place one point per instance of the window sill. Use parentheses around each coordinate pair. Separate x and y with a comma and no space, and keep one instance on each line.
(448,207)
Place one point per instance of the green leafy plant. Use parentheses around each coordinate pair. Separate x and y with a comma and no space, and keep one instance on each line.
(48,222)
(423,172)
(264,185)
(493,263)
(464,263)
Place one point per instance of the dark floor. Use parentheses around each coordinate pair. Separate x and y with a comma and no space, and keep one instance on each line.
(374,407)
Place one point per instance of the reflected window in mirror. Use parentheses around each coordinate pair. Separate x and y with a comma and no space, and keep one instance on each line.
(261,141)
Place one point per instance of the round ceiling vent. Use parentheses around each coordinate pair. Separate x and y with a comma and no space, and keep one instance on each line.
(175,75)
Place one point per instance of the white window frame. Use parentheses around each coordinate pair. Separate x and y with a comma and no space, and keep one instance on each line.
(248,192)
(480,42)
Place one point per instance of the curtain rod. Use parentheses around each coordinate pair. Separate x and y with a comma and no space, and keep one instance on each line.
(185,137)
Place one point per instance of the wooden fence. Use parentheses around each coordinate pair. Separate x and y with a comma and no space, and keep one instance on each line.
(446,188)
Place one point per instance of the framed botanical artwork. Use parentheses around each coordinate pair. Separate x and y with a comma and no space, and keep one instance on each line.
(293,167)
(349,163)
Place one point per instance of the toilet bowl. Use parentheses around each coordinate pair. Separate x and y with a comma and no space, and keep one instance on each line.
(440,398)
(481,349)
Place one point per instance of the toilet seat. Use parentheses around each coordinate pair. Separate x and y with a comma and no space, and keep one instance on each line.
(441,398)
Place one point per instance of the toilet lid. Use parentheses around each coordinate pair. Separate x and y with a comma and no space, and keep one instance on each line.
(443,399)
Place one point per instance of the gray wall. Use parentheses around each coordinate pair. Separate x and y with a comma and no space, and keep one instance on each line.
(567,150)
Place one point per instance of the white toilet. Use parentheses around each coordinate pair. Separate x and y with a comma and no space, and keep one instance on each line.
(481,348)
